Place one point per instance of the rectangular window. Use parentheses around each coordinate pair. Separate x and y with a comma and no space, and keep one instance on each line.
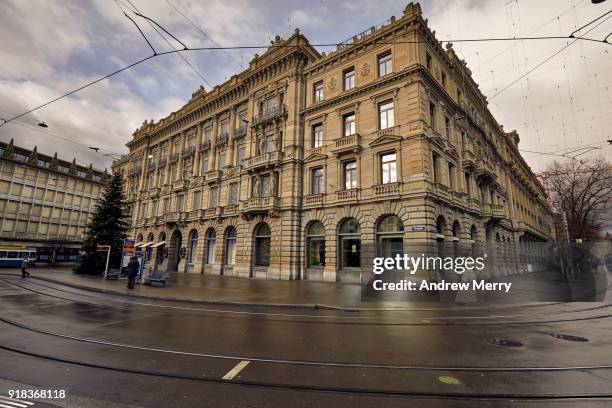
(432,115)
(385,64)
(349,79)
(348,122)
(468,184)
(265,185)
(154,209)
(221,161)
(386,115)
(443,80)
(224,127)
(447,127)
(451,176)
(197,200)
(389,168)
(214,197)
(318,181)
(180,203)
(318,91)
(350,175)
(143,212)
(204,165)
(428,61)
(241,155)
(166,205)
(174,172)
(269,143)
(207,134)
(434,167)
(233,194)
(317,135)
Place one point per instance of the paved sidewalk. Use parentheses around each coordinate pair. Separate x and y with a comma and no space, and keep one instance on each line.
(222,290)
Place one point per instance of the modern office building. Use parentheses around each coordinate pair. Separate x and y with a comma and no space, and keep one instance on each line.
(45,202)
(307,165)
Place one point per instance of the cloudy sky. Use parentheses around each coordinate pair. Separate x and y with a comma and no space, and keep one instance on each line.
(51,47)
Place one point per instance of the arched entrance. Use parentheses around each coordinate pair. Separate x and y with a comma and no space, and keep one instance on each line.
(390,237)
(174,251)
(193,249)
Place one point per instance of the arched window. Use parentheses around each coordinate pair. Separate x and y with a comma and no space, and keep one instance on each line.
(230,246)
(151,237)
(139,238)
(211,239)
(390,236)
(349,244)
(193,246)
(262,245)
(315,245)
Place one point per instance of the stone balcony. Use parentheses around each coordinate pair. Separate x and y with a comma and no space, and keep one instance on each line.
(188,152)
(314,199)
(270,115)
(498,211)
(180,185)
(154,192)
(258,205)
(387,189)
(222,139)
(347,144)
(214,176)
(352,194)
(265,160)
(484,169)
(441,190)
(468,160)
(474,204)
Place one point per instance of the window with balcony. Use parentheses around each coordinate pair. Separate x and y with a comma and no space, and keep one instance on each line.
(350,174)
(269,143)
(214,197)
(266,191)
(318,91)
(187,170)
(386,115)
(348,122)
(317,181)
(241,155)
(385,64)
(197,200)
(388,168)
(349,79)
(233,194)
(317,135)
(180,203)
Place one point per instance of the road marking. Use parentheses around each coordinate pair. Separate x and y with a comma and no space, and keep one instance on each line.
(237,368)
(7,402)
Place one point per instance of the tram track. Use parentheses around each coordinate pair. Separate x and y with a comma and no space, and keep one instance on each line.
(422,321)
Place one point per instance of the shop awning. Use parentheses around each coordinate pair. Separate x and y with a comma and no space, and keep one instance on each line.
(158,244)
(138,244)
(148,244)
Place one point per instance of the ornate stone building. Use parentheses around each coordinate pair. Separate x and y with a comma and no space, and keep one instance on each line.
(307,165)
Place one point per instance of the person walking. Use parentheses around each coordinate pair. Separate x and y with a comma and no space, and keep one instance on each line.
(24,265)
(132,271)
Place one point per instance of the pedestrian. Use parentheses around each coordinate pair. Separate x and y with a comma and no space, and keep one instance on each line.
(132,271)
(24,264)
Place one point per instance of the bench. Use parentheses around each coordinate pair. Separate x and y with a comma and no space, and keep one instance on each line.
(156,277)
(113,274)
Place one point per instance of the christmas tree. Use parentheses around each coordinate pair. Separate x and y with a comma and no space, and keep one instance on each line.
(108,226)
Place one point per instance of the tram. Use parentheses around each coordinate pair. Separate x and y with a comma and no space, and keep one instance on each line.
(11,256)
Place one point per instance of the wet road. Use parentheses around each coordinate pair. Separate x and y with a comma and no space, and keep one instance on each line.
(162,353)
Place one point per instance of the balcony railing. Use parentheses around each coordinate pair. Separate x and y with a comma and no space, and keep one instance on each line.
(498,211)
(261,204)
(386,189)
(155,191)
(173,158)
(348,143)
(314,199)
(347,195)
(278,112)
(264,160)
(188,151)
(394,130)
(240,132)
(468,159)
(205,146)
(222,139)
(173,217)
(213,176)
(150,165)
(134,171)
(161,162)
(180,185)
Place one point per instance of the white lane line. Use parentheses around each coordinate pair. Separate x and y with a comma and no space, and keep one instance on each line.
(14,401)
(237,368)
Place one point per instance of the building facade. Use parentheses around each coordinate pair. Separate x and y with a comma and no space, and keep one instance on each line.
(306,165)
(45,202)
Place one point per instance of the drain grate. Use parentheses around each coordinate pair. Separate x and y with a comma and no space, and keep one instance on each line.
(506,343)
(569,337)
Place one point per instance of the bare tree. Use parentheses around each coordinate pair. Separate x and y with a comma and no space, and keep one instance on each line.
(582,192)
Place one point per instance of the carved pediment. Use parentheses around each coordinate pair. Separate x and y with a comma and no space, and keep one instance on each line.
(381,140)
(314,157)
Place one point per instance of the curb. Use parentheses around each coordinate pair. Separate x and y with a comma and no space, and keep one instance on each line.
(308,306)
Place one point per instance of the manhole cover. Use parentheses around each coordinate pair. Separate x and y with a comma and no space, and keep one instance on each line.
(507,343)
(569,337)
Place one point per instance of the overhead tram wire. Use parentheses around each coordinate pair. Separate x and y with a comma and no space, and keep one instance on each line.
(253,47)
(150,22)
